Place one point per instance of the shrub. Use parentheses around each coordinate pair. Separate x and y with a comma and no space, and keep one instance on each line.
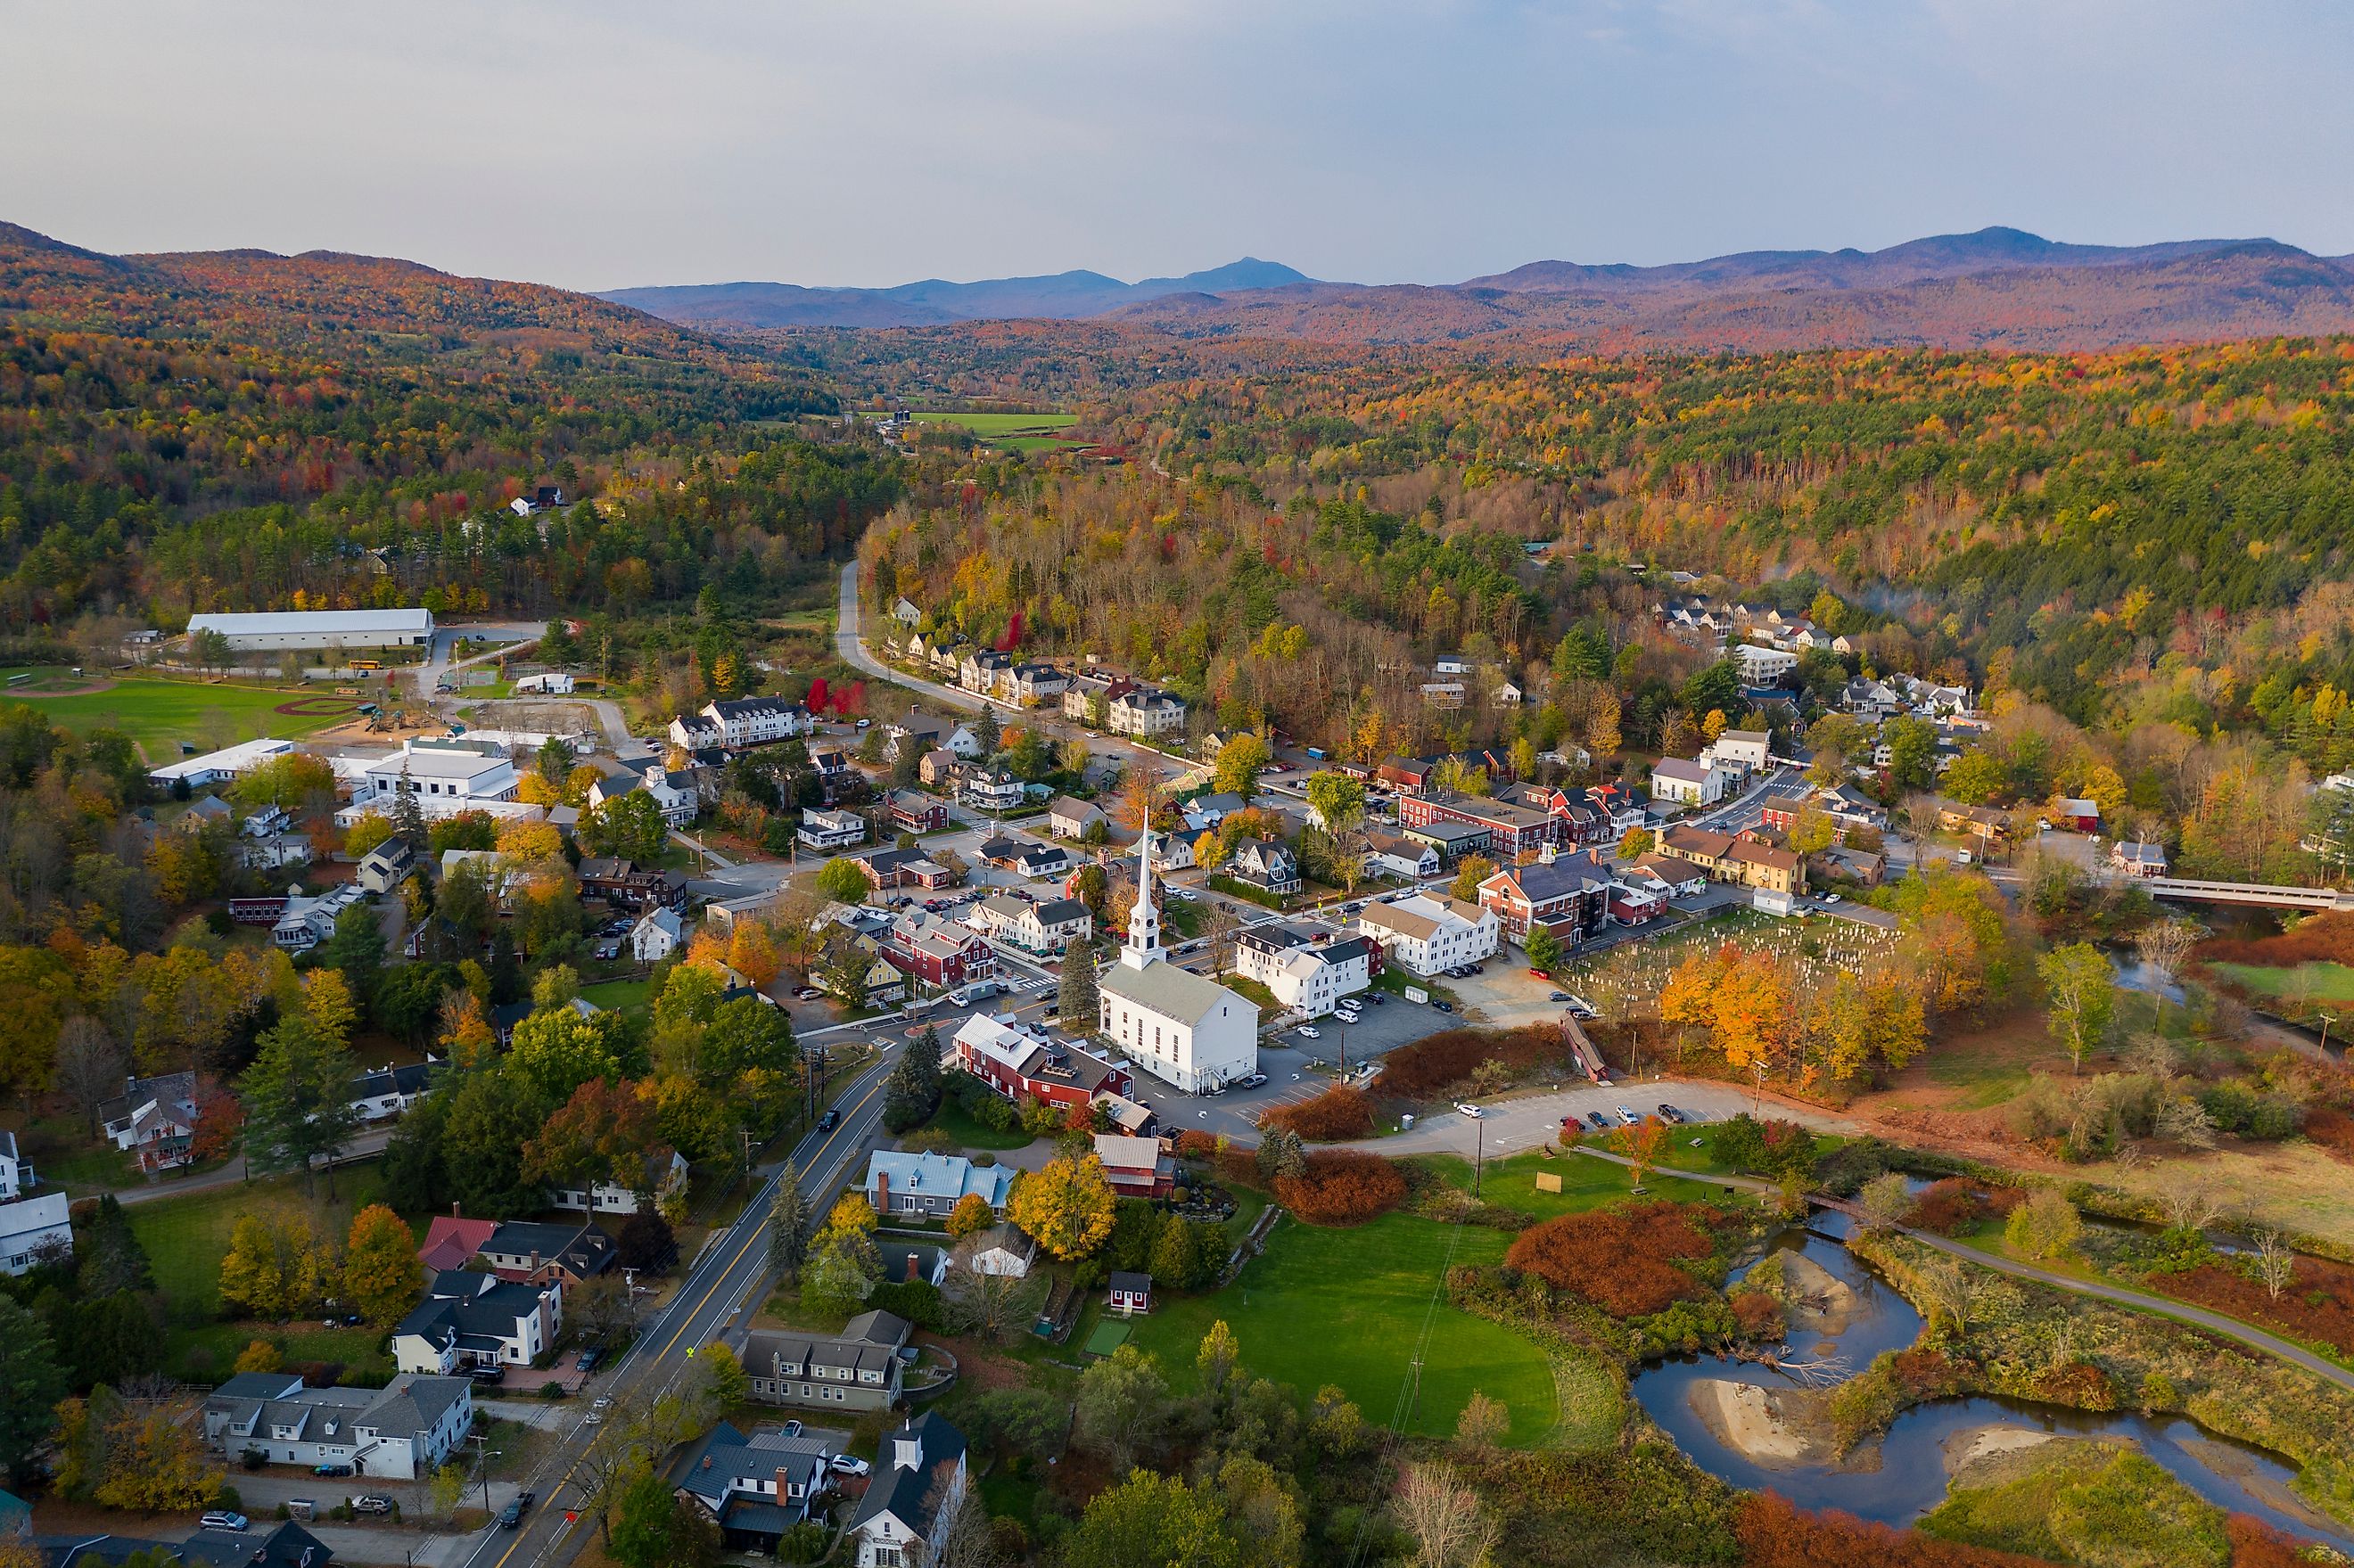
(1758,1314)
(1427,1067)
(552,1389)
(228,1498)
(1953,1205)
(927,1141)
(916,1300)
(1343,1187)
(2332,1130)
(1195,1144)
(1618,1259)
(1339,1112)
(1775,1534)
(2317,1304)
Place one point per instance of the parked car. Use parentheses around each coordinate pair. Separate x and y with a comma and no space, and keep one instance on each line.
(847,1465)
(1444,1006)
(1833,897)
(1669,1114)
(1180,895)
(1536,973)
(484,1374)
(609,949)
(1626,1115)
(221,1518)
(1467,1108)
(331,1469)
(1377,998)
(590,1359)
(1255,1080)
(372,1502)
(1558,996)
(1596,1118)
(1309,1032)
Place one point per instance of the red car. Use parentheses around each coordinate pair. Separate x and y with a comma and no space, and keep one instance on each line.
(1541,974)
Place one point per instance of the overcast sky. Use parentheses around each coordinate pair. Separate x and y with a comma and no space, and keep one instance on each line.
(598,146)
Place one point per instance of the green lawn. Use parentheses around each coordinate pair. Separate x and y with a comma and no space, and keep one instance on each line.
(960,1124)
(159,715)
(1985,1081)
(1349,1307)
(2330,983)
(618,996)
(994,426)
(186,1237)
(1586,1182)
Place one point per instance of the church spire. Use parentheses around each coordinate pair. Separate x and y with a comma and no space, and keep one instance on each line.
(1143,921)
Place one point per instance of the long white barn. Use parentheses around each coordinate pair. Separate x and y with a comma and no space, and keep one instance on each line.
(271,631)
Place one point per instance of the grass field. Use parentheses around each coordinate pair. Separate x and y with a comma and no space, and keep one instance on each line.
(992,426)
(2328,982)
(1586,1183)
(618,996)
(159,715)
(1349,1307)
(960,1124)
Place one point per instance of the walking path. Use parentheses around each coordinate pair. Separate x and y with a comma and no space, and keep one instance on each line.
(363,1146)
(2230,1328)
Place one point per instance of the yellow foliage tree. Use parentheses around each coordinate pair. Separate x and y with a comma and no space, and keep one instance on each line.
(382,1274)
(258,1356)
(327,1003)
(1067,1206)
(273,1266)
(531,840)
(971,1216)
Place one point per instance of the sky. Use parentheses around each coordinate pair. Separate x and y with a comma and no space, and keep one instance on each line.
(601,146)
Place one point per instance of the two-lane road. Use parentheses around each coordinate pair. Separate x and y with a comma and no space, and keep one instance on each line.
(723,1289)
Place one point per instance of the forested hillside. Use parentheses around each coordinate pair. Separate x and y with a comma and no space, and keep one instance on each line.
(222,431)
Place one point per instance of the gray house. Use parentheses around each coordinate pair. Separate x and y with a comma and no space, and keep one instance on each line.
(858,1369)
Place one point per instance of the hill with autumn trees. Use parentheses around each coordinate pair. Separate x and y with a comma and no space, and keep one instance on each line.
(220,431)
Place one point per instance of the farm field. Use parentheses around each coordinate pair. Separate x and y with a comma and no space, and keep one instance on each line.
(1013,433)
(159,715)
(1349,1307)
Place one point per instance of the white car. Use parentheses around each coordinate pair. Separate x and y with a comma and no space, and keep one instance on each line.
(1833,897)
(1180,895)
(221,1518)
(1467,1108)
(1626,1115)
(847,1465)
(1309,1032)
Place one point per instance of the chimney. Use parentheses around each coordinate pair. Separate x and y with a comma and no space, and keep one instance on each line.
(914,1273)
(454,1210)
(706,1461)
(882,1191)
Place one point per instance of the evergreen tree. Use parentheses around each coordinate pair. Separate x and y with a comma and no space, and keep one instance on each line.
(357,949)
(507,970)
(789,1224)
(1076,1000)
(988,732)
(298,1099)
(31,1384)
(408,817)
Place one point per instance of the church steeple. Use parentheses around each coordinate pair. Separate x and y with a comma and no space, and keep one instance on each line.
(1143,946)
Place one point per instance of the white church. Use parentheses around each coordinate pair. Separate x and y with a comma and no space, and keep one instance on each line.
(1177,1026)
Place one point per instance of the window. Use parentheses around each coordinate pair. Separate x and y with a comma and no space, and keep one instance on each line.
(885,1556)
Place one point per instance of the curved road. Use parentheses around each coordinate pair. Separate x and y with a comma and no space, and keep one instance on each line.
(2230,1328)
(852,649)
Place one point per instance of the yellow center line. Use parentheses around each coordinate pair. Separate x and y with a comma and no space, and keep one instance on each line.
(816,1162)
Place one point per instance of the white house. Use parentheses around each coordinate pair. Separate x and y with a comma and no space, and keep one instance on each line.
(1430,935)
(1002,1250)
(307,921)
(472,1320)
(1305,976)
(388,1091)
(1394,854)
(1146,712)
(153,1119)
(916,1491)
(1046,928)
(33,1231)
(16,1176)
(830,830)
(1741,750)
(548,683)
(1763,666)
(656,935)
(1179,1026)
(1677,782)
(755,721)
(403,1431)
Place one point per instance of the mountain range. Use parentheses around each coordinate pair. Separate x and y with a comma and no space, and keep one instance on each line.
(1994,288)
(1063,296)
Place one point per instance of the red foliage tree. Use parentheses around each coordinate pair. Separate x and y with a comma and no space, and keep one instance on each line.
(1339,1112)
(1775,1534)
(1620,1259)
(816,699)
(1343,1187)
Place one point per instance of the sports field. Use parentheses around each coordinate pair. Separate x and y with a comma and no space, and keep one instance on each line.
(159,715)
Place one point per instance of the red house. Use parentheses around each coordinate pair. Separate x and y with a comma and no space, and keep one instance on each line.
(1019,1065)
(1631,905)
(913,811)
(1780,815)
(938,952)
(1135,1165)
(1130,1293)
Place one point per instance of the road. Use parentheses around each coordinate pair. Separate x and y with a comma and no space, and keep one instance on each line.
(2230,1328)
(724,1289)
(363,1146)
(852,649)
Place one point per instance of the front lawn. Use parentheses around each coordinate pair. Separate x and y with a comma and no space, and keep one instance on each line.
(1351,1308)
(620,995)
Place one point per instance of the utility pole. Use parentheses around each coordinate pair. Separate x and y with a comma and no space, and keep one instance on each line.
(1480,1162)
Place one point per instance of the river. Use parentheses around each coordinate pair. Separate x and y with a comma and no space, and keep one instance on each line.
(1701,1401)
